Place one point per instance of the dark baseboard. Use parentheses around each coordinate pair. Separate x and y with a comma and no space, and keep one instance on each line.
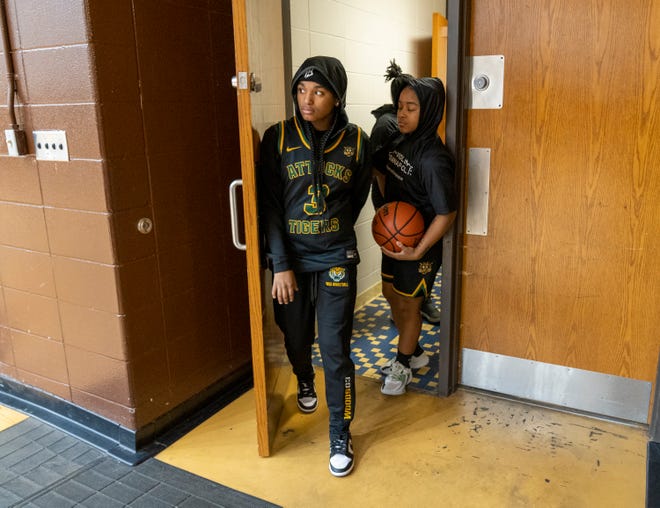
(128,446)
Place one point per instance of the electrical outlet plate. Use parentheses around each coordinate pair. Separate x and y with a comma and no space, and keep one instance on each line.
(51,145)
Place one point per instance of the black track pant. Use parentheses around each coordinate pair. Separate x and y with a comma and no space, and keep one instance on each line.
(330,297)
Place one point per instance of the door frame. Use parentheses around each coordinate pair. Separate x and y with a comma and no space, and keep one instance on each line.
(458,19)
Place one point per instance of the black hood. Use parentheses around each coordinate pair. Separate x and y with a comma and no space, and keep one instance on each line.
(431,95)
(331,69)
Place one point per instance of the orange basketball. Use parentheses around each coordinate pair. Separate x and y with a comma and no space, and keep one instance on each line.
(400,221)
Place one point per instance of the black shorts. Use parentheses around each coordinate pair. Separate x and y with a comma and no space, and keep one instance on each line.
(413,278)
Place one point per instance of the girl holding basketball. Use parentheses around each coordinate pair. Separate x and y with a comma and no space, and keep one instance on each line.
(414,166)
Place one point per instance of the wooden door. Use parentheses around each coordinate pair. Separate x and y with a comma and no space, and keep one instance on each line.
(567,272)
(259,51)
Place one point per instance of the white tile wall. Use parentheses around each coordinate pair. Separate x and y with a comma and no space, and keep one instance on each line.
(365,35)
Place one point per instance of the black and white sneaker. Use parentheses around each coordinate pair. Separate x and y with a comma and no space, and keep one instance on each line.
(307,400)
(341,454)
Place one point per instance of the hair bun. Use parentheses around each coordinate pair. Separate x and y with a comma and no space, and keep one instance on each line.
(393,71)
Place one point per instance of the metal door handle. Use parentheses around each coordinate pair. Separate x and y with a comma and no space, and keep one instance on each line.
(245,81)
(233,211)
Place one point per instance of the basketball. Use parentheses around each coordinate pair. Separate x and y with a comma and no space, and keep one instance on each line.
(400,221)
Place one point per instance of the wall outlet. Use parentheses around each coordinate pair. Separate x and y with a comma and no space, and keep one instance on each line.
(16,142)
(51,145)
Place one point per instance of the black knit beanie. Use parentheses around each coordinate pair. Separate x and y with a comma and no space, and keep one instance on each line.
(316,76)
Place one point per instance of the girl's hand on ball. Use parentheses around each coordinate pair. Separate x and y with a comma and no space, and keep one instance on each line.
(405,253)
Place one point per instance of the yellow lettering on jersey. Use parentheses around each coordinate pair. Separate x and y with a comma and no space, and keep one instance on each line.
(313,227)
(298,169)
(338,171)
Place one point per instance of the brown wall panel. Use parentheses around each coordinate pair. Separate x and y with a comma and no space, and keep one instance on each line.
(23,226)
(49,23)
(40,356)
(33,314)
(80,235)
(129,245)
(111,22)
(27,270)
(19,180)
(93,330)
(6,350)
(45,383)
(118,413)
(87,284)
(73,85)
(127,182)
(122,130)
(99,375)
(145,330)
(142,91)
(117,78)
(74,185)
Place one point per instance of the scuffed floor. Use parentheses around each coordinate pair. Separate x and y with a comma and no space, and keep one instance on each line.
(468,450)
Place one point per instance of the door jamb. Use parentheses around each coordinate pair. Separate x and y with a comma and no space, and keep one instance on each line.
(458,18)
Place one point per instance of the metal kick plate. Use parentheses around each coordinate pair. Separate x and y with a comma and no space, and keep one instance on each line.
(582,390)
(476,219)
(486,82)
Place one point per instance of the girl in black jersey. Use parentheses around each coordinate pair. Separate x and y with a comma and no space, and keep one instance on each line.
(314,177)
(414,166)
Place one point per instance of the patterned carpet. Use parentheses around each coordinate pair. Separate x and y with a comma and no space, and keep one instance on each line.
(375,340)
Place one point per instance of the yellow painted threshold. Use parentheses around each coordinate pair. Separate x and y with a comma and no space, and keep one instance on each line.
(9,417)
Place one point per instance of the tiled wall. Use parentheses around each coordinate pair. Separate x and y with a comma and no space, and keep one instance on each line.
(125,324)
(365,35)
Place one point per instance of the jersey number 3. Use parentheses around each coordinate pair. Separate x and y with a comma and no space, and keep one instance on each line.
(312,206)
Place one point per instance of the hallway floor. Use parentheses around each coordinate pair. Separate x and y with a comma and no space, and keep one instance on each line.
(468,450)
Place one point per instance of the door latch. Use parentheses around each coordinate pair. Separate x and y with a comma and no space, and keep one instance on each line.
(246,81)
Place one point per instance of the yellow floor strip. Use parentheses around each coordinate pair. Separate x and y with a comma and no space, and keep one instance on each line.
(468,450)
(9,417)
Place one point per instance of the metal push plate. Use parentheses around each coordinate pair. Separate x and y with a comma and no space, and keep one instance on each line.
(486,82)
(476,218)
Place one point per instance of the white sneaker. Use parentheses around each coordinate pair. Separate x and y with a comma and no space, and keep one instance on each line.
(341,454)
(395,382)
(416,362)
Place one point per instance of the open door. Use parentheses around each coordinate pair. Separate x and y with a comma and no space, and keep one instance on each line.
(259,82)
(560,284)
